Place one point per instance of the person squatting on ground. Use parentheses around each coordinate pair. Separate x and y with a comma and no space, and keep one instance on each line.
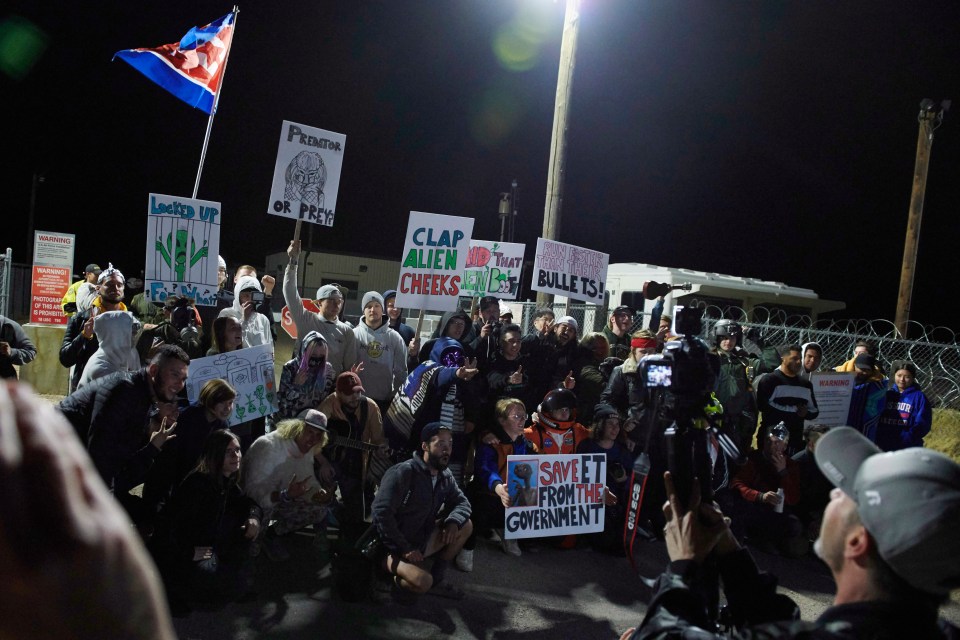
(306,379)
(762,495)
(888,537)
(278,475)
(420,512)
(205,533)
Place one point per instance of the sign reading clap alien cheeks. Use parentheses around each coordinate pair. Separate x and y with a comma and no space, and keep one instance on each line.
(306,177)
(183,241)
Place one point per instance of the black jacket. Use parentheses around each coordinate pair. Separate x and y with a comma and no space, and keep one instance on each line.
(112,416)
(679,609)
(75,349)
(408,504)
(22,350)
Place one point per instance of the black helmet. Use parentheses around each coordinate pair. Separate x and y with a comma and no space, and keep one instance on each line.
(725,328)
(559,399)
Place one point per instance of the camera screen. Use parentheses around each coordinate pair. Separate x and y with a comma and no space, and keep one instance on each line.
(659,375)
(257,297)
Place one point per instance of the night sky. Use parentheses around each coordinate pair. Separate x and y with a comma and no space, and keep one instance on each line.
(772,139)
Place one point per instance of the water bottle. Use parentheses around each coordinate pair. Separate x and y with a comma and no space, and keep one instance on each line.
(779,506)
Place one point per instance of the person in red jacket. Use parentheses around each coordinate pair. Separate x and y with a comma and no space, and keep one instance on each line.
(762,495)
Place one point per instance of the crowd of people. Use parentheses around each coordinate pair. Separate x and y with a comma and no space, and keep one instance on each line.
(378,426)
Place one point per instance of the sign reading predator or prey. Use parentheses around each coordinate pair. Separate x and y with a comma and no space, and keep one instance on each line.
(249,371)
(833,391)
(493,269)
(306,177)
(555,494)
(571,271)
(434,255)
(183,240)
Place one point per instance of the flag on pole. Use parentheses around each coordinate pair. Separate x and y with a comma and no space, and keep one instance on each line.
(190,69)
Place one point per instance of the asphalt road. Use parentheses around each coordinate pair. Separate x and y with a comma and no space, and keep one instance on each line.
(547,593)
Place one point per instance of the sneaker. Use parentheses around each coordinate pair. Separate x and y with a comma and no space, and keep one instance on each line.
(274,548)
(511,548)
(465,560)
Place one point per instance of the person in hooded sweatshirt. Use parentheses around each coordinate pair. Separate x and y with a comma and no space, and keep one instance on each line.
(395,315)
(453,324)
(341,342)
(116,352)
(305,380)
(908,416)
(441,389)
(811,355)
(256,326)
(381,352)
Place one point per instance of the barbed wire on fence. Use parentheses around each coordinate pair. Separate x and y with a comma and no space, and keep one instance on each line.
(935,353)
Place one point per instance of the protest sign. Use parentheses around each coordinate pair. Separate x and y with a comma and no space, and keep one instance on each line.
(434,255)
(833,391)
(249,371)
(286,320)
(493,269)
(183,240)
(52,264)
(555,494)
(571,271)
(306,178)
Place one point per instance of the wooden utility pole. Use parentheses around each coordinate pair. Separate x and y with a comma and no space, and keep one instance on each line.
(930,118)
(558,139)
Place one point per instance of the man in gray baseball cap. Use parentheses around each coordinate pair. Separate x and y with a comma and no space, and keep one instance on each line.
(889,537)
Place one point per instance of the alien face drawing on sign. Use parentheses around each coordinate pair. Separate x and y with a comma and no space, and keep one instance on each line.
(202,377)
(238,373)
(306,175)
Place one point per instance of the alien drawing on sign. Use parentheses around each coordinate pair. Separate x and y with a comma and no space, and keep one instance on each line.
(306,176)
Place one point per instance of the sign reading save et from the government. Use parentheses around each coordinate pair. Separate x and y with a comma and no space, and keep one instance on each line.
(555,494)
(571,271)
(434,256)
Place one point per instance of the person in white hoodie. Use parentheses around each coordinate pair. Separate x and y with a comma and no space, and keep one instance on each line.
(256,326)
(116,331)
(380,351)
(811,357)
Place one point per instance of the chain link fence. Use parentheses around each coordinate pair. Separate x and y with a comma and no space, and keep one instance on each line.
(934,351)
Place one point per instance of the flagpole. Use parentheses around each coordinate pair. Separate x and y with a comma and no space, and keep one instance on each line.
(216,101)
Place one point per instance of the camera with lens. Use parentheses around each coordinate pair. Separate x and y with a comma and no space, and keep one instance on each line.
(679,383)
(181,311)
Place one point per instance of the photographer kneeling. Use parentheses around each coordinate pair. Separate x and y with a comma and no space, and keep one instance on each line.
(888,537)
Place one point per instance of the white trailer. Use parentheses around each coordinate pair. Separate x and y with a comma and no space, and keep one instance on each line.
(625,286)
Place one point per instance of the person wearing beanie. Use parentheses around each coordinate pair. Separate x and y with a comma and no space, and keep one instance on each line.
(381,352)
(79,340)
(339,335)
(558,359)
